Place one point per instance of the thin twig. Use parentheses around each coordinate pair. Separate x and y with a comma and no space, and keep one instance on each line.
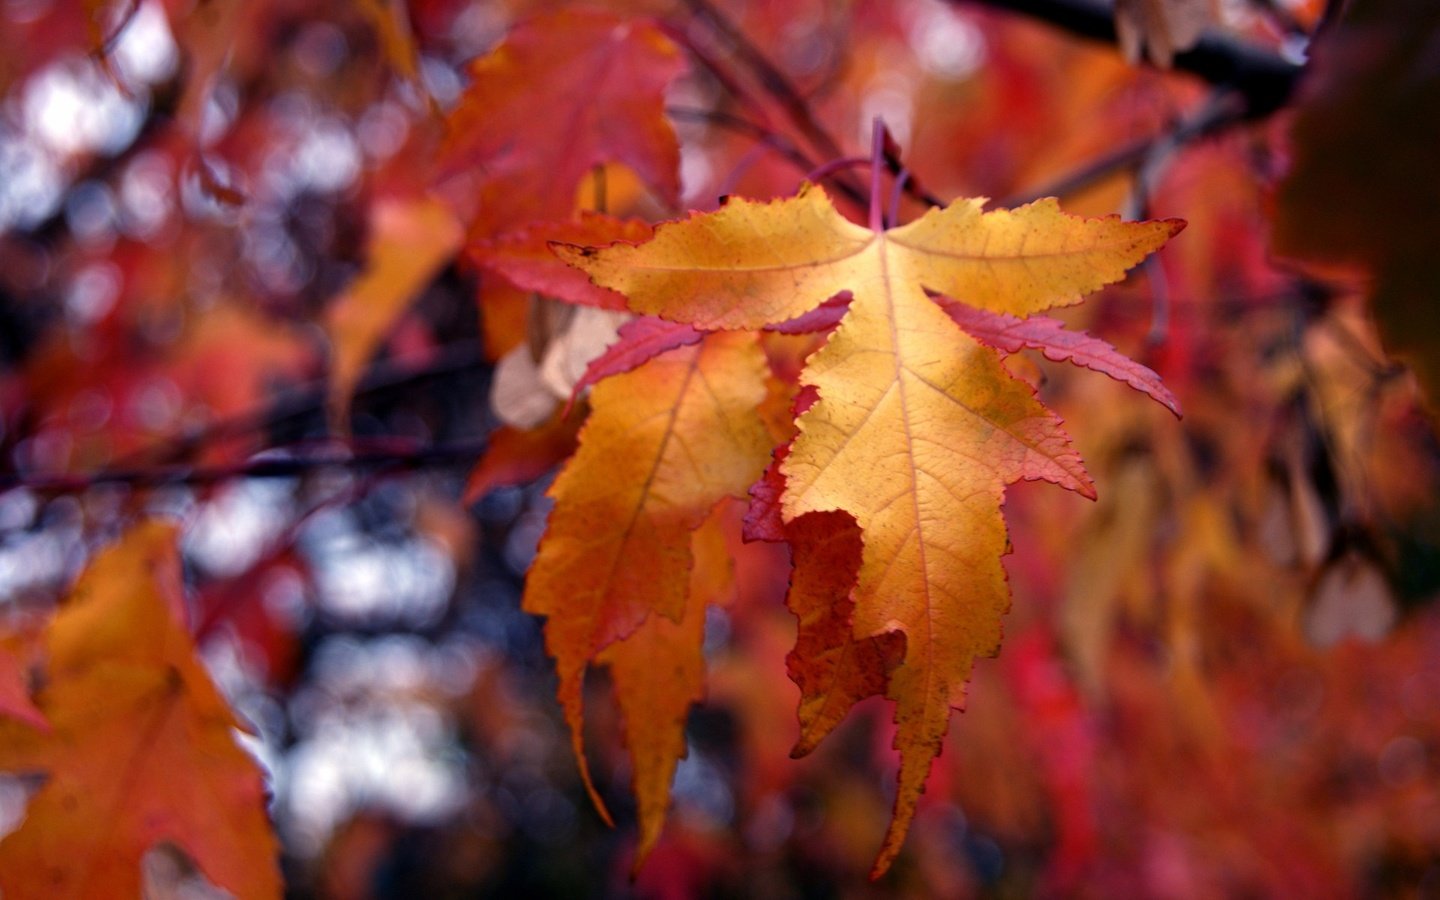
(434,456)
(798,108)
(460,358)
(770,138)
(905,177)
(775,82)
(1333,11)
(835,165)
(230,595)
(1126,156)
(107,42)
(877,165)
(762,133)
(897,190)
(727,79)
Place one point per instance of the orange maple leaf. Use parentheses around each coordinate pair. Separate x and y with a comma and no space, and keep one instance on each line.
(141,747)
(918,428)
(658,672)
(663,445)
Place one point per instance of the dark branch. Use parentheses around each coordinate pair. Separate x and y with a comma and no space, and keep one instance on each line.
(796,108)
(302,402)
(761,133)
(440,455)
(1265,79)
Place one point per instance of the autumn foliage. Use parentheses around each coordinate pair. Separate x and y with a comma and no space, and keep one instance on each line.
(420,417)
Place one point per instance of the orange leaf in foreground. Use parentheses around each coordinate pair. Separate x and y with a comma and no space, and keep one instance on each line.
(918,427)
(659,673)
(663,445)
(142,749)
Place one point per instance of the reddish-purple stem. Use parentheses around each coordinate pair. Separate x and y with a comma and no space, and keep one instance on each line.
(892,218)
(877,162)
(836,165)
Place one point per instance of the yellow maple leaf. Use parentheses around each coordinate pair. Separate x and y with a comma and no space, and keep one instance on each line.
(918,427)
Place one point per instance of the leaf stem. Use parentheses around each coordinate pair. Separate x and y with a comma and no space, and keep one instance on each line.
(877,164)
(836,165)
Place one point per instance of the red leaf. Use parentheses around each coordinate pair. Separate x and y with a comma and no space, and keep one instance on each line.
(514,456)
(1010,334)
(832,667)
(822,318)
(641,340)
(523,257)
(565,92)
(764,521)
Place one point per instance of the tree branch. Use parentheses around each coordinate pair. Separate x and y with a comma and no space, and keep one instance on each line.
(460,358)
(796,108)
(1265,79)
(433,456)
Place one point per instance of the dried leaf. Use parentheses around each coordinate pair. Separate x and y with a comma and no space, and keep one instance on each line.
(584,339)
(517,395)
(1350,599)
